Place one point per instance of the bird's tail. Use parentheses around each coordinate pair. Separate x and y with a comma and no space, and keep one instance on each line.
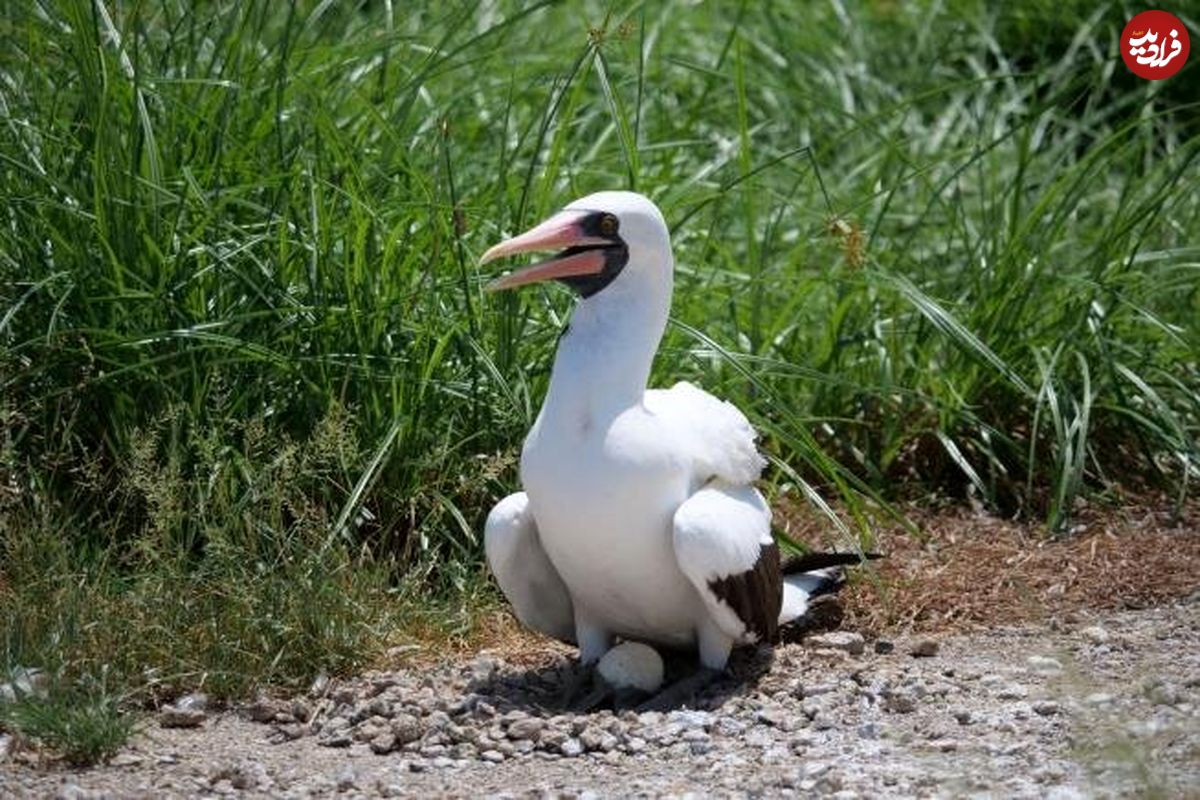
(811,575)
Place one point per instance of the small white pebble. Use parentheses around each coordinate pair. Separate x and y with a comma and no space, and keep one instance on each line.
(1044,664)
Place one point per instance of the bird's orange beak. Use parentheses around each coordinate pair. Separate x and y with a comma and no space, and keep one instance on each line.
(562,231)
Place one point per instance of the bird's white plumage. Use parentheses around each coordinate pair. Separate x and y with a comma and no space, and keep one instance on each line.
(525,575)
(720,530)
(720,439)
(637,500)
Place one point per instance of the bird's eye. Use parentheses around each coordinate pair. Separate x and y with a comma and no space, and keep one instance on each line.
(609,225)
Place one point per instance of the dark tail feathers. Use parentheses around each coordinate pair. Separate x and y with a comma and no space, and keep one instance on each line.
(808,562)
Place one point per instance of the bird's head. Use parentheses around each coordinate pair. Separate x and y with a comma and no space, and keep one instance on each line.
(600,238)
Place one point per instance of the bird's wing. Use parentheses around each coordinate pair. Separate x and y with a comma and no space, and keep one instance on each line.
(723,543)
(524,572)
(718,437)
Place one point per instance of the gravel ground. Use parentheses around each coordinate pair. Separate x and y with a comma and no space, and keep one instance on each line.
(1105,705)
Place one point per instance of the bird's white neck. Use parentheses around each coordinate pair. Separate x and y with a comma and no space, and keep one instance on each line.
(604,358)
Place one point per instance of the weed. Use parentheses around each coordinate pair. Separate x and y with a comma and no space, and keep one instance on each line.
(84,723)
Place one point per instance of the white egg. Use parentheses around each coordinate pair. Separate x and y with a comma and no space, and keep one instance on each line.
(632,665)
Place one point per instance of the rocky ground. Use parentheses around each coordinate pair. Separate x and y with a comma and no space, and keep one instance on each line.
(1087,705)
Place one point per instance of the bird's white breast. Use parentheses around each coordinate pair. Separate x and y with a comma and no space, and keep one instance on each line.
(603,496)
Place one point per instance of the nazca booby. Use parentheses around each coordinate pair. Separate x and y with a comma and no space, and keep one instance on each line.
(639,518)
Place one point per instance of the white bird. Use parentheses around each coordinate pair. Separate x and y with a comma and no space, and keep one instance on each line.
(639,519)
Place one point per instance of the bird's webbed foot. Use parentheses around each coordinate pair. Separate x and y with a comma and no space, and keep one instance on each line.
(603,693)
(577,686)
(681,691)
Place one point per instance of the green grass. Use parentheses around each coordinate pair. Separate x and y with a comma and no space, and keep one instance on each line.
(256,403)
(82,721)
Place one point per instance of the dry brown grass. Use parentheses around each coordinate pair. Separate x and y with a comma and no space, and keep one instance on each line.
(969,570)
(493,630)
